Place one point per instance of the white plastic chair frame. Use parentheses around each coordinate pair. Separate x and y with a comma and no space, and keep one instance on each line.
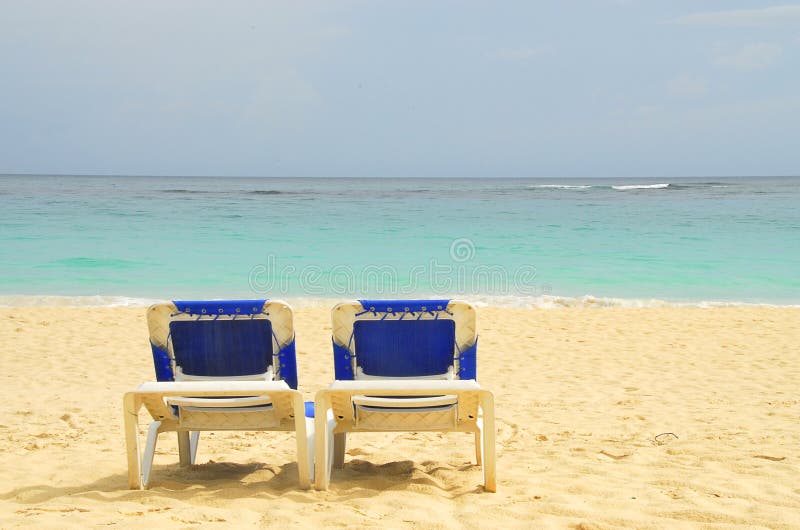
(444,405)
(278,408)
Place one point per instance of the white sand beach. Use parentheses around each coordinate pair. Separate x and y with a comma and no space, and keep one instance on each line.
(606,418)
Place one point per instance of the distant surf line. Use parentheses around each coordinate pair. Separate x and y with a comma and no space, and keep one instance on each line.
(540,301)
(627,187)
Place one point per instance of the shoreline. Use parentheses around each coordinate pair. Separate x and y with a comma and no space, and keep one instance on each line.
(536,302)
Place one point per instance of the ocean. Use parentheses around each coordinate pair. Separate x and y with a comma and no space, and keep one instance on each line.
(525,242)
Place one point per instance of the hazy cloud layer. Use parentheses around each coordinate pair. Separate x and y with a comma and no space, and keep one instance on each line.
(521,54)
(687,86)
(751,56)
(784,14)
(359,88)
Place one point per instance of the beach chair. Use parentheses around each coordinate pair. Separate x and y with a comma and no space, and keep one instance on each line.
(403,365)
(220,365)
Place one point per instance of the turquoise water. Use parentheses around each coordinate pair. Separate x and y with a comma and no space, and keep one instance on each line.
(523,240)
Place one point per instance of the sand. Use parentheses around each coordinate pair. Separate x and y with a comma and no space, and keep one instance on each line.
(607,418)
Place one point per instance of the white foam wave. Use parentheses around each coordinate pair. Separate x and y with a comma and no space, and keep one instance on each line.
(551,302)
(73,301)
(561,186)
(530,302)
(589,301)
(641,187)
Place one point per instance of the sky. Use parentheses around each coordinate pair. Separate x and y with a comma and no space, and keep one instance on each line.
(594,88)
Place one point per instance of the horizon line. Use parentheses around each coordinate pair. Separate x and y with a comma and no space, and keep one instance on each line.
(124,175)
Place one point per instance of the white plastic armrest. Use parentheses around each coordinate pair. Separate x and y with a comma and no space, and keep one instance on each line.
(432,401)
(218,402)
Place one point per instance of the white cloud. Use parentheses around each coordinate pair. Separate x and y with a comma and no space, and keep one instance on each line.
(751,56)
(744,17)
(685,86)
(521,54)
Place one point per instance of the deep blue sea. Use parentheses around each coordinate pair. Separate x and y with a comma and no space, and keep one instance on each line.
(509,241)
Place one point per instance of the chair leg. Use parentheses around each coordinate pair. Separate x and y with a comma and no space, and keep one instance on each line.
(149,453)
(194,440)
(301,435)
(479,447)
(489,461)
(339,442)
(331,424)
(322,441)
(184,450)
(310,431)
(131,414)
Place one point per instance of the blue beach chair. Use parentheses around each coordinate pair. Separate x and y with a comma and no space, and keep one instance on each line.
(220,365)
(403,365)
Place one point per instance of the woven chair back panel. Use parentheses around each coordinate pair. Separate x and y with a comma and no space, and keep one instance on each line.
(222,348)
(404,348)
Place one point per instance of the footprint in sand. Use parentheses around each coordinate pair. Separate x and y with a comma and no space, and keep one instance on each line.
(508,433)
(391,468)
(613,456)
(771,458)
(67,418)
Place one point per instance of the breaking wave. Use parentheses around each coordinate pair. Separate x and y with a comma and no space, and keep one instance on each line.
(641,187)
(529,302)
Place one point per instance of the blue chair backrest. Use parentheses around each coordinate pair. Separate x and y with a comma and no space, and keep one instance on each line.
(404,348)
(404,338)
(223,338)
(221,348)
